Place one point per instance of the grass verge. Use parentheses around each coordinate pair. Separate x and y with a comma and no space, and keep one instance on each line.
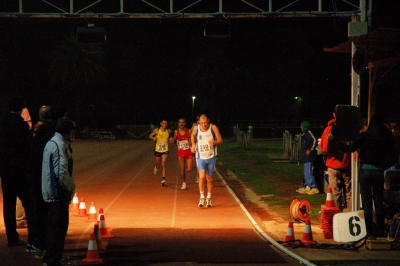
(274,182)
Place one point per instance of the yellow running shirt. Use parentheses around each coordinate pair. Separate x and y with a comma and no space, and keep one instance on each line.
(162,141)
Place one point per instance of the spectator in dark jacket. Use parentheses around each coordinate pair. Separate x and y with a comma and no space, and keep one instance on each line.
(14,147)
(43,131)
(307,156)
(376,153)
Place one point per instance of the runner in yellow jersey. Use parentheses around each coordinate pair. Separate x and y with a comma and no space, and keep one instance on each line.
(161,137)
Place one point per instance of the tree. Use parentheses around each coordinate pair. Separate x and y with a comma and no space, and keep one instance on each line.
(75,70)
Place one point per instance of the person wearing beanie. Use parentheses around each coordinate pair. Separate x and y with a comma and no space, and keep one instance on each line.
(58,188)
(308,154)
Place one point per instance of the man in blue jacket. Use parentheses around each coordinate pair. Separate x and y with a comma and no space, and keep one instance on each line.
(307,156)
(58,188)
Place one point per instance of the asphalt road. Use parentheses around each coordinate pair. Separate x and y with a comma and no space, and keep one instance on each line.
(151,224)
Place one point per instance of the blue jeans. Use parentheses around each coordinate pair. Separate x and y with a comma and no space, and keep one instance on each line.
(371,188)
(309,179)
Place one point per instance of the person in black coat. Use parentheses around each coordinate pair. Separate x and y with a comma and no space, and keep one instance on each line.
(376,153)
(14,147)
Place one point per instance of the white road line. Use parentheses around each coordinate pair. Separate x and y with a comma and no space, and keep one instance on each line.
(90,227)
(173,218)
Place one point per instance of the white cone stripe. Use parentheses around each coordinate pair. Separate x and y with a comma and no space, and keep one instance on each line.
(82,205)
(289,232)
(92,245)
(75,200)
(307,229)
(329,196)
(102,224)
(92,209)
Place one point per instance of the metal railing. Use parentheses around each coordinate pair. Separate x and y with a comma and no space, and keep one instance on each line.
(291,146)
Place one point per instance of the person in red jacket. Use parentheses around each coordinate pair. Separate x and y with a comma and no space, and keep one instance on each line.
(338,169)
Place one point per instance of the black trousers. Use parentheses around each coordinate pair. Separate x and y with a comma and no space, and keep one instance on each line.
(13,185)
(37,220)
(56,230)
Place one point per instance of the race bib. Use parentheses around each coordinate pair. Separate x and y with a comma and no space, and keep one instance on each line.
(183,145)
(162,146)
(205,150)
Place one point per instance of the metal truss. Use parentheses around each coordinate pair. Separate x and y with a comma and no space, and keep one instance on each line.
(140,9)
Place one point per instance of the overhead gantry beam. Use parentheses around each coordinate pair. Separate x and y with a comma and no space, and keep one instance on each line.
(182,8)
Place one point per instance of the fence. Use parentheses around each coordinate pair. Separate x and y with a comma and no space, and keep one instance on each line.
(291,146)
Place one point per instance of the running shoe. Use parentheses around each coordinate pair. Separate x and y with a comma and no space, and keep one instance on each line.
(303,190)
(209,202)
(163,182)
(183,185)
(31,249)
(155,170)
(313,191)
(201,202)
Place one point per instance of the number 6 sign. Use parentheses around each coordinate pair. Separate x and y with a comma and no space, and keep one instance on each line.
(349,226)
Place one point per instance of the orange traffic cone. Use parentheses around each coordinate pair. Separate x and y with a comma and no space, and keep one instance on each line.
(101,212)
(289,235)
(307,234)
(327,214)
(75,203)
(92,254)
(103,229)
(329,203)
(96,233)
(82,208)
(92,213)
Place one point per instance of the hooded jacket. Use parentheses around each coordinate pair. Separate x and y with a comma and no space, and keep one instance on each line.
(57,170)
(335,158)
(308,142)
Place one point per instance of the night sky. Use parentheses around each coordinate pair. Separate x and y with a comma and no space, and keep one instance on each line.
(150,69)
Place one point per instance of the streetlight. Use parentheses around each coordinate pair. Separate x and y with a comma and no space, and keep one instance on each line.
(193,97)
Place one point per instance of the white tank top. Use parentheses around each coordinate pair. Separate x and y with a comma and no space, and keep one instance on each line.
(203,146)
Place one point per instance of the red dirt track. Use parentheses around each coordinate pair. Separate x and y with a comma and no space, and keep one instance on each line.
(152,224)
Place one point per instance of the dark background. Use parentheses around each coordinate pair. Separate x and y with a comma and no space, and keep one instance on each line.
(149,69)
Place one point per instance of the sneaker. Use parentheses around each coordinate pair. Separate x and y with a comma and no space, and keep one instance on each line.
(303,190)
(209,202)
(163,182)
(313,191)
(16,243)
(155,170)
(31,249)
(183,185)
(201,202)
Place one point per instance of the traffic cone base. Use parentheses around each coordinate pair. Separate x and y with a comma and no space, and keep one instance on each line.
(92,254)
